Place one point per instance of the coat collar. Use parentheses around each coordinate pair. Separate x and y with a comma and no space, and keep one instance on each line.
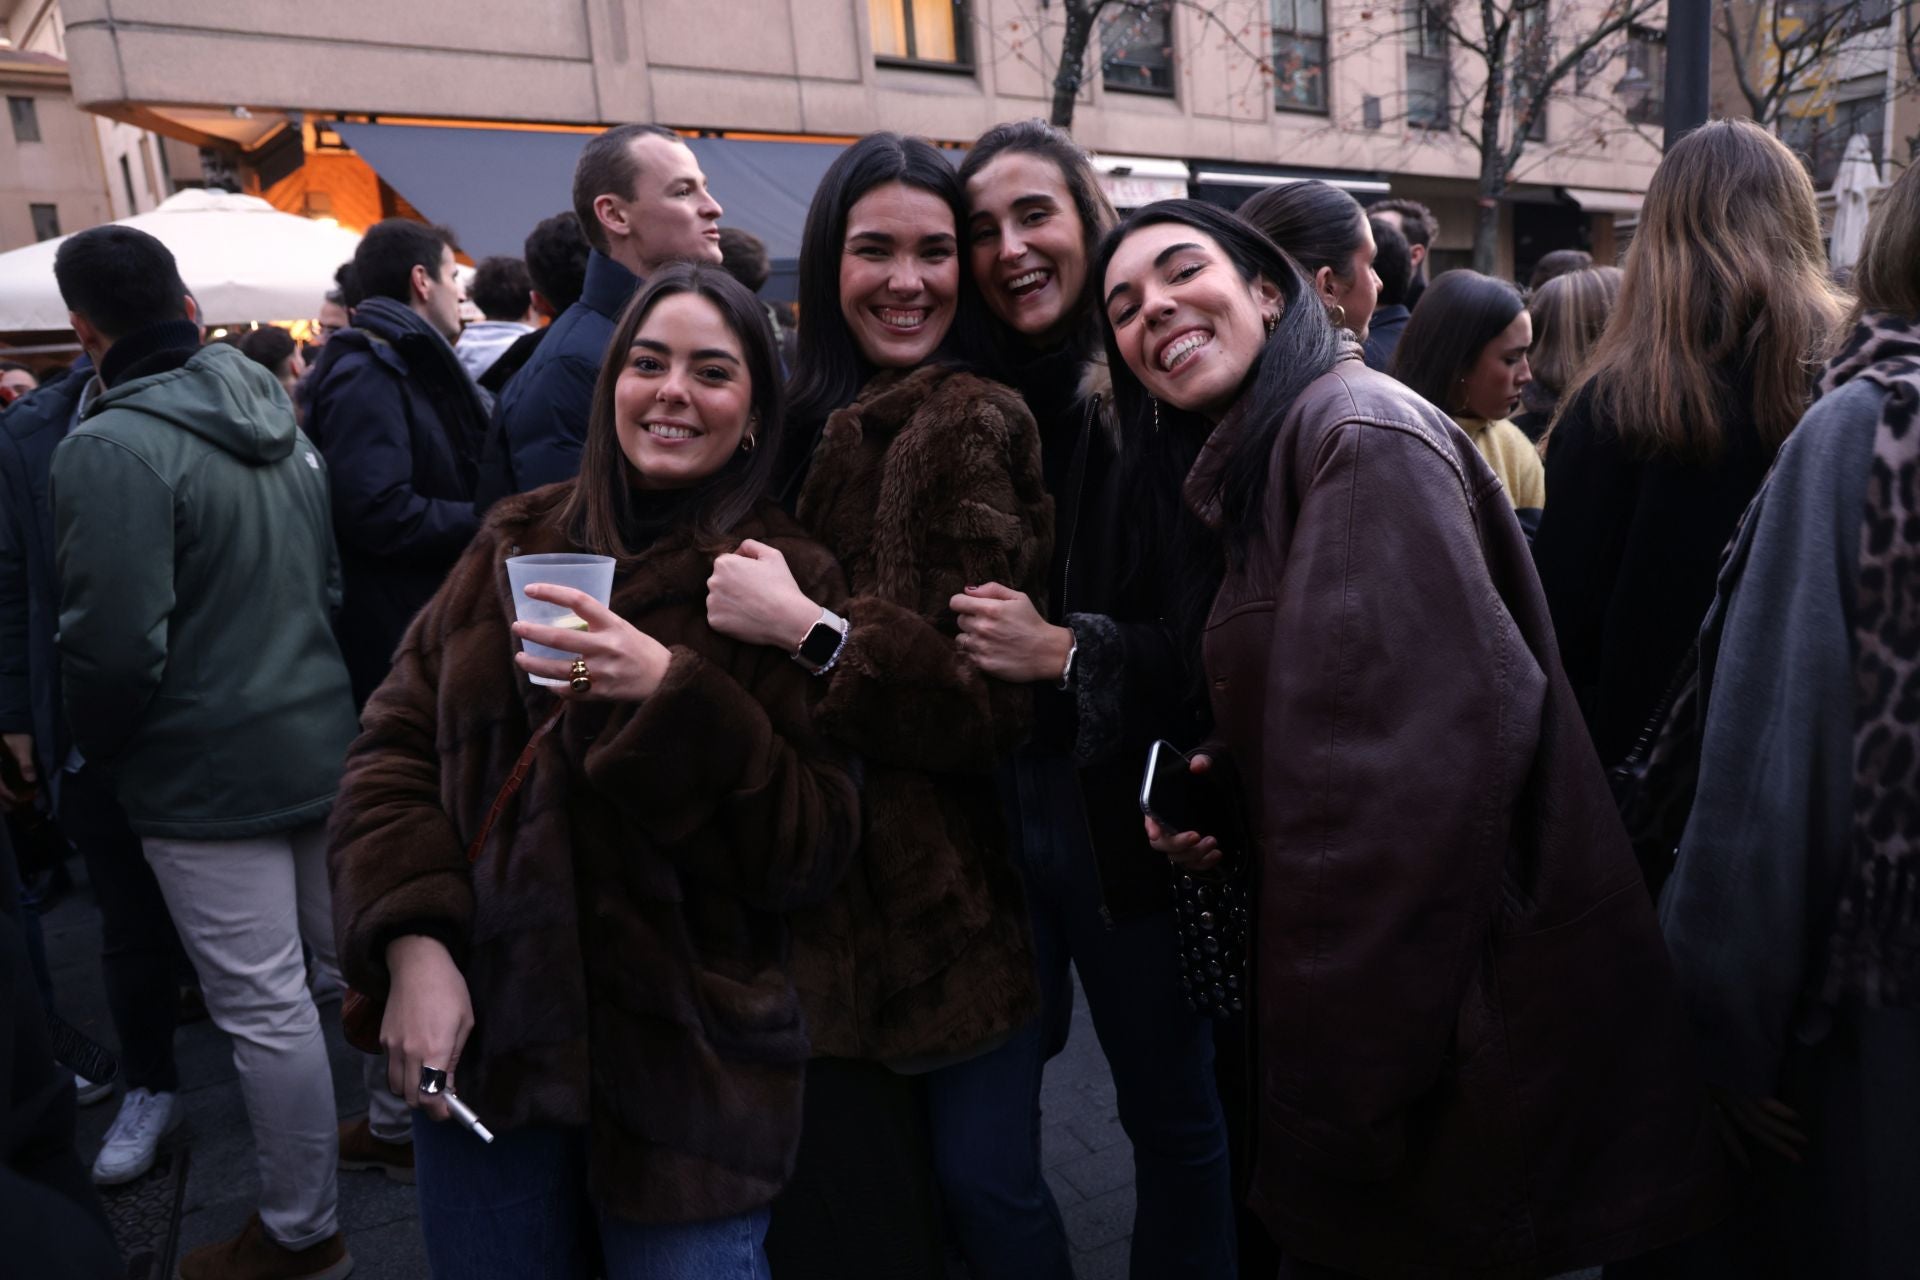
(609,286)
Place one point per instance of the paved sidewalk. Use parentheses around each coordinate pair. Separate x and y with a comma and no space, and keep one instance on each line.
(1089,1161)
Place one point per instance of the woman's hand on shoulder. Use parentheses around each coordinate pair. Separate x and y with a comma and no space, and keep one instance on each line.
(753,598)
(624,663)
(429,1016)
(1003,635)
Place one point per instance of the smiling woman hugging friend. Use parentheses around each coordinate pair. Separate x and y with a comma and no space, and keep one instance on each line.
(599,961)
(922,478)
(1471,1054)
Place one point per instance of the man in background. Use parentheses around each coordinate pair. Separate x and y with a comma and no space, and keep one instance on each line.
(503,292)
(1393,263)
(1416,222)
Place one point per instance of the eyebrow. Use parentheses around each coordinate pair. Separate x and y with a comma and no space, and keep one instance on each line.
(704,353)
(883,238)
(1160,260)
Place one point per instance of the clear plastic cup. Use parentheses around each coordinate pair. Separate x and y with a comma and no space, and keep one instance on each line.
(591,574)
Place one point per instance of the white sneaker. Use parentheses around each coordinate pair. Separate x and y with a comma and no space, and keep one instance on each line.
(86,1092)
(144,1119)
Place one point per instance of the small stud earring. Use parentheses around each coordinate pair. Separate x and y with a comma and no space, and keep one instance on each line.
(1272,323)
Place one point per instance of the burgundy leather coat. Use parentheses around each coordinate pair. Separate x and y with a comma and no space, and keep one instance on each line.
(1472,1058)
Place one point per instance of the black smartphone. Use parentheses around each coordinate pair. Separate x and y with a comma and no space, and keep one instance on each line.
(1180,800)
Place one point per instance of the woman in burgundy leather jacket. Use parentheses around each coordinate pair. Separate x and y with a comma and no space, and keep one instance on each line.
(1472,1057)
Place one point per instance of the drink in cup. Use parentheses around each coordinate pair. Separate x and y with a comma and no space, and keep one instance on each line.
(591,574)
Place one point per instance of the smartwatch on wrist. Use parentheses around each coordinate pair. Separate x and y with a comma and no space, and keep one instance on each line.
(820,647)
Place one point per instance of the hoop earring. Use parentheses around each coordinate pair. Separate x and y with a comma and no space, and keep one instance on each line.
(748,443)
(1338,315)
(1156,414)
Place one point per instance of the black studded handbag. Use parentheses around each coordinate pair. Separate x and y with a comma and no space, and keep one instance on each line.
(1211,910)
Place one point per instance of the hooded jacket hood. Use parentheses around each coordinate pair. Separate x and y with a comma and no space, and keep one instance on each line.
(220,396)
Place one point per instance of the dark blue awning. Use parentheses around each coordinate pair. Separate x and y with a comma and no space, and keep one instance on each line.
(492,185)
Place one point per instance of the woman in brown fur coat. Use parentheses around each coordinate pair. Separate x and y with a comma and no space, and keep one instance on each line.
(607,984)
(917,976)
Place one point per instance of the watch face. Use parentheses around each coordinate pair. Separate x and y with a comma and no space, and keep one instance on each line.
(818,648)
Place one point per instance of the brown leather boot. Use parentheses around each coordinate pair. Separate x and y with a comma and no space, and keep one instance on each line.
(359,1149)
(255,1255)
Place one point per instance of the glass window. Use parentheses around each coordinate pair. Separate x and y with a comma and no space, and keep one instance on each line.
(1136,47)
(1821,136)
(921,31)
(26,119)
(1299,55)
(46,221)
(1643,89)
(1533,54)
(1429,68)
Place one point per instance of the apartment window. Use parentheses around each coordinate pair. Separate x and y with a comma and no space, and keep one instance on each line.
(1643,89)
(46,220)
(126,180)
(1532,55)
(923,32)
(26,119)
(1429,67)
(1821,136)
(1299,55)
(1136,47)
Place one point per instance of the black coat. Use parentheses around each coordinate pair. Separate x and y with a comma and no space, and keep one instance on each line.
(1134,679)
(29,592)
(540,424)
(400,436)
(1628,552)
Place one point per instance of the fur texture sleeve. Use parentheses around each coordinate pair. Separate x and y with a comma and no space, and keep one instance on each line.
(962,501)
(730,779)
(395,861)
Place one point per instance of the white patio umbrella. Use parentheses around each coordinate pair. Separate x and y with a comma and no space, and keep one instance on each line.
(1853,187)
(242,259)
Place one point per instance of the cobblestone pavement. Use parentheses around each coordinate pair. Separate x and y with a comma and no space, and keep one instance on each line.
(1089,1162)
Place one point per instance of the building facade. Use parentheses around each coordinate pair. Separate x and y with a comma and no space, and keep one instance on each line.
(1210,97)
(61,168)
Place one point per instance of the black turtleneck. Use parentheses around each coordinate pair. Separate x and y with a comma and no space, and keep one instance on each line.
(1049,381)
(652,513)
(154,349)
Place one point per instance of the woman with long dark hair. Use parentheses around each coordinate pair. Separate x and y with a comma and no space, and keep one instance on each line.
(1327,233)
(1108,676)
(1724,318)
(574,902)
(1471,1056)
(1465,350)
(917,976)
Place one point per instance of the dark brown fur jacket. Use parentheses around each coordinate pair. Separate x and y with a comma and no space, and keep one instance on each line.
(623,933)
(930,481)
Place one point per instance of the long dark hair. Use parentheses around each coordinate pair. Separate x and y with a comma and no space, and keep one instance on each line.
(1459,314)
(1037,137)
(1316,223)
(830,369)
(601,505)
(1303,346)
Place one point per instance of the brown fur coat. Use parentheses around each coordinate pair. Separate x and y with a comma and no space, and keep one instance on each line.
(623,933)
(930,481)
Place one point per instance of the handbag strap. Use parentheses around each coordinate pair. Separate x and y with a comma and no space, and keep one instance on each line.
(512,784)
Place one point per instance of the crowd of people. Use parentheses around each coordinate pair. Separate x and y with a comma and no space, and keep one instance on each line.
(747,929)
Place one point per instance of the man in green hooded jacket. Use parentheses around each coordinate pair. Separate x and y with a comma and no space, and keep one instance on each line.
(193,545)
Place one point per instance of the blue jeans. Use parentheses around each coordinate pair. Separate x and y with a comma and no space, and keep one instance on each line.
(1160,1052)
(518,1210)
(984,1116)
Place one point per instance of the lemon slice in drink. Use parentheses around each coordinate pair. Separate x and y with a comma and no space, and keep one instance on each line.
(569,622)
